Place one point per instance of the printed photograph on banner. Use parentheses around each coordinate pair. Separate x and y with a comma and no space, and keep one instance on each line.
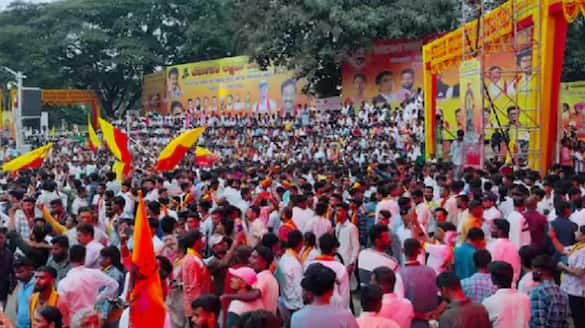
(232,85)
(469,113)
(153,93)
(385,75)
(572,109)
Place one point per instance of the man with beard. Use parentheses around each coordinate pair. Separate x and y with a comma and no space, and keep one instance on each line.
(59,261)
(45,293)
(288,93)
(406,85)
(205,311)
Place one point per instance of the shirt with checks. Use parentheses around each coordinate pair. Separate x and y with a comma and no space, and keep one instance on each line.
(478,287)
(549,306)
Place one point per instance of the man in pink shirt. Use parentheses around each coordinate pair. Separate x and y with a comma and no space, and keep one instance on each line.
(394,307)
(502,248)
(194,273)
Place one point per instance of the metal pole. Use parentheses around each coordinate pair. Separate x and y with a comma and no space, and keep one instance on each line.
(18,114)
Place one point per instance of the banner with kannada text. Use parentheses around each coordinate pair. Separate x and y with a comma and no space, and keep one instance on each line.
(231,85)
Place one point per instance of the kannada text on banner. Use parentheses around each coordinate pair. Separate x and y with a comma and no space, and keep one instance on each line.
(388,73)
(231,85)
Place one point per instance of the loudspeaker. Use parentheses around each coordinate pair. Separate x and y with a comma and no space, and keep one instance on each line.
(31,102)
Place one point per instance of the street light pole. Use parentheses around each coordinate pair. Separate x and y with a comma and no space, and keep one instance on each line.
(19,76)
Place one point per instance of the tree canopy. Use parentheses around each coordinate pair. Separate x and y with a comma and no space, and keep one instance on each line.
(108,45)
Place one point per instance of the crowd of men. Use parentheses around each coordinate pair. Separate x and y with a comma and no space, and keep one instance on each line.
(325,220)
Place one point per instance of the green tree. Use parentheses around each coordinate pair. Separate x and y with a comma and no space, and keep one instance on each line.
(313,36)
(108,45)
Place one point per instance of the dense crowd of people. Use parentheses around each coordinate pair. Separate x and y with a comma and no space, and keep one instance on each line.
(329,219)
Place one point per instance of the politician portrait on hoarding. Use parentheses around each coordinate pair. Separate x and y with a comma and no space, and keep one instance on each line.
(264,104)
(385,85)
(406,85)
(521,83)
(496,85)
(359,89)
(288,95)
(175,90)
(205,104)
(239,105)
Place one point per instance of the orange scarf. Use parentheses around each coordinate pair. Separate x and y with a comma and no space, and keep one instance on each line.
(294,254)
(305,254)
(325,258)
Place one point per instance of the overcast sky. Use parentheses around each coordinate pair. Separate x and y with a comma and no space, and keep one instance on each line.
(4,3)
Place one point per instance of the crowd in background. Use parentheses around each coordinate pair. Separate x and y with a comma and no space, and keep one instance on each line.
(320,219)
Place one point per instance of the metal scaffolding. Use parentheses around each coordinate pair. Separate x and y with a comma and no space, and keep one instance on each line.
(510,121)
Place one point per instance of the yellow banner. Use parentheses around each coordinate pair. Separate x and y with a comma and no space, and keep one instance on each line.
(231,85)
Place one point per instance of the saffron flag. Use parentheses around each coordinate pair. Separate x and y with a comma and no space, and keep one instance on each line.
(204,157)
(93,140)
(116,140)
(147,307)
(30,160)
(174,152)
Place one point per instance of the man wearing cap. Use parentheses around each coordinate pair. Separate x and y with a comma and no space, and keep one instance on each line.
(507,308)
(243,279)
(318,283)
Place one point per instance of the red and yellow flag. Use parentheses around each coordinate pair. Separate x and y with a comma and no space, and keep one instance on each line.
(174,152)
(31,160)
(147,308)
(121,169)
(204,157)
(116,140)
(93,140)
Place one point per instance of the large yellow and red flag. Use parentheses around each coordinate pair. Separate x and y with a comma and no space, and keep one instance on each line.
(204,157)
(93,140)
(121,169)
(174,152)
(31,160)
(116,140)
(147,308)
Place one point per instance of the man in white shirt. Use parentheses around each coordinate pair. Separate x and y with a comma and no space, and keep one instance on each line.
(394,307)
(507,308)
(319,224)
(388,202)
(301,214)
(490,212)
(256,228)
(348,237)
(371,258)
(502,249)
(341,293)
(519,230)
(423,213)
(84,287)
(85,237)
(291,295)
